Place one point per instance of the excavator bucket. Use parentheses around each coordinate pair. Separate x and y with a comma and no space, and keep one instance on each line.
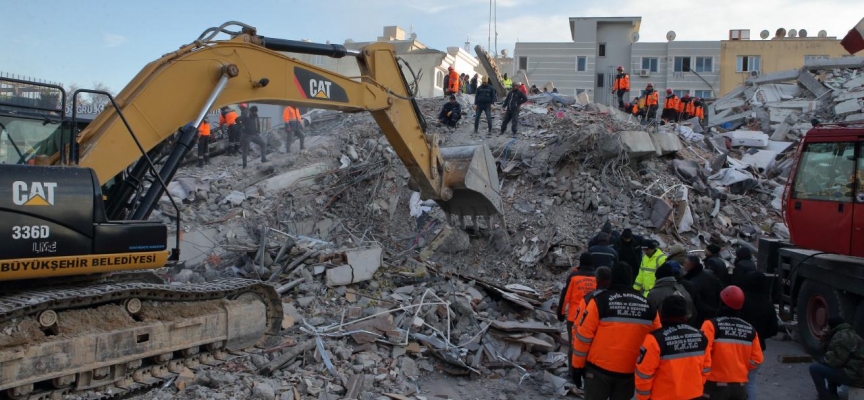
(472,176)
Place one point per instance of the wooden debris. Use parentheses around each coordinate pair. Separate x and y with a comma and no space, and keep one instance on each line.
(287,357)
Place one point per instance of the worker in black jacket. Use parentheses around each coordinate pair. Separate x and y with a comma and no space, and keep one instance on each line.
(759,312)
(744,265)
(715,264)
(483,100)
(629,248)
(706,286)
(602,254)
(451,113)
(512,102)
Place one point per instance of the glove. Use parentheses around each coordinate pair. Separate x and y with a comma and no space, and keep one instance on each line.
(561,318)
(577,374)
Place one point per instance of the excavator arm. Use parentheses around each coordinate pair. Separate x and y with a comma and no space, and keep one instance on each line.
(182,86)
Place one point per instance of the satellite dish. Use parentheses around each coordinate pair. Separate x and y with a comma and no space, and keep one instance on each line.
(822,34)
(670,36)
(413,36)
(634,37)
(802,33)
(780,33)
(504,53)
(792,33)
(764,34)
(349,41)
(328,42)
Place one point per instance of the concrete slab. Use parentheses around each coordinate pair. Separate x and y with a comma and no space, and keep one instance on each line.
(855,117)
(849,96)
(750,93)
(762,160)
(774,77)
(854,83)
(733,94)
(814,86)
(780,114)
(775,93)
(803,105)
(637,144)
(362,265)
(781,131)
(846,107)
(728,118)
(831,63)
(726,105)
(197,245)
(296,178)
(747,138)
(666,143)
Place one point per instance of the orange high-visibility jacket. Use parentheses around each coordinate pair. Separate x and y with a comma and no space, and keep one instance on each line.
(622,82)
(288,114)
(652,99)
(682,105)
(204,128)
(611,329)
(453,82)
(672,364)
(671,102)
(297,115)
(579,284)
(690,108)
(734,348)
(635,108)
(700,112)
(230,118)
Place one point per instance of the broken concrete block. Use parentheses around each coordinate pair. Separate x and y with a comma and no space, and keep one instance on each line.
(762,160)
(814,86)
(849,96)
(781,131)
(831,63)
(637,144)
(362,265)
(846,107)
(779,114)
(296,178)
(726,105)
(731,118)
(854,83)
(747,138)
(774,77)
(195,246)
(855,117)
(666,143)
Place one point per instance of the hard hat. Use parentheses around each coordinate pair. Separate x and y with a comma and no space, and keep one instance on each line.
(620,68)
(697,99)
(668,91)
(521,84)
(243,105)
(650,85)
(687,95)
(450,68)
(733,297)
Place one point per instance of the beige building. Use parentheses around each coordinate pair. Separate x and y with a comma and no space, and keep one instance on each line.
(742,58)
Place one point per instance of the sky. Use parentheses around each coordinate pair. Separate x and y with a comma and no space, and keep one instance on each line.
(87,41)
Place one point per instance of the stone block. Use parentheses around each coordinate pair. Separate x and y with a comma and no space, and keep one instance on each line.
(362,265)
(666,143)
(637,144)
(846,107)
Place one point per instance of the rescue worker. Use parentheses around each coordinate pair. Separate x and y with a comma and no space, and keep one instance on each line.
(483,103)
(621,86)
(451,113)
(204,143)
(734,348)
(452,82)
(629,248)
(652,258)
(670,107)
(512,102)
(293,127)
(610,331)
(678,253)
(758,310)
(843,362)
(580,282)
(652,101)
(706,289)
(534,90)
(715,264)
(602,254)
(685,108)
(698,109)
(228,123)
(744,265)
(252,134)
(523,89)
(474,84)
(667,285)
(673,362)
(507,82)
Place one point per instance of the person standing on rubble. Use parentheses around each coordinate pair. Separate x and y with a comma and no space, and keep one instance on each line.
(621,86)
(228,123)
(706,289)
(602,254)
(629,249)
(678,253)
(483,104)
(652,101)
(252,134)
(667,285)
(472,88)
(512,102)
(673,362)
(580,282)
(610,331)
(685,108)
(670,107)
(506,82)
(715,264)
(452,86)
(758,310)
(698,110)
(293,127)
(652,258)
(451,113)
(734,348)
(204,143)
(523,89)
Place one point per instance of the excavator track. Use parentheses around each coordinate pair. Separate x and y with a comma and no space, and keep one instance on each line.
(107,339)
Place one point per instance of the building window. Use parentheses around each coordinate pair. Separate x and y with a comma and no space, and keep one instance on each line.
(439,79)
(703,94)
(808,58)
(581,63)
(680,93)
(601,50)
(523,63)
(747,63)
(601,80)
(704,64)
(682,64)
(649,64)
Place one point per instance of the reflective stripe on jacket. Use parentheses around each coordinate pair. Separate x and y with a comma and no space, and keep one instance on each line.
(579,284)
(645,280)
(611,329)
(734,348)
(673,364)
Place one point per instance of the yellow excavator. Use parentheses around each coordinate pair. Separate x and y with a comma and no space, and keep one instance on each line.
(78,312)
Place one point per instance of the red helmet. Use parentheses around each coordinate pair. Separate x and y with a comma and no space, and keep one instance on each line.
(450,68)
(668,91)
(733,297)
(620,68)
(687,95)
(243,105)
(651,85)
(697,99)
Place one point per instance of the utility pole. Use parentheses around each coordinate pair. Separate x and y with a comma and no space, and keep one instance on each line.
(496,27)
(489,43)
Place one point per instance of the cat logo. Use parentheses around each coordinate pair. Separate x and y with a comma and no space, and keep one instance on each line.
(34,194)
(315,86)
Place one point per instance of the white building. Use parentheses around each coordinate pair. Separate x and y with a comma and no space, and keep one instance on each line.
(600,45)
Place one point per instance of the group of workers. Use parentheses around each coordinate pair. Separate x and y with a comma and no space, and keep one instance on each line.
(681,327)
(646,105)
(243,129)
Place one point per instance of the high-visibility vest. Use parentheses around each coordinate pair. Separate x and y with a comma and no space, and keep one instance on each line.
(734,348)
(690,108)
(682,105)
(508,83)
(672,364)
(230,118)
(579,284)
(671,103)
(652,99)
(204,128)
(700,112)
(622,82)
(453,82)
(291,113)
